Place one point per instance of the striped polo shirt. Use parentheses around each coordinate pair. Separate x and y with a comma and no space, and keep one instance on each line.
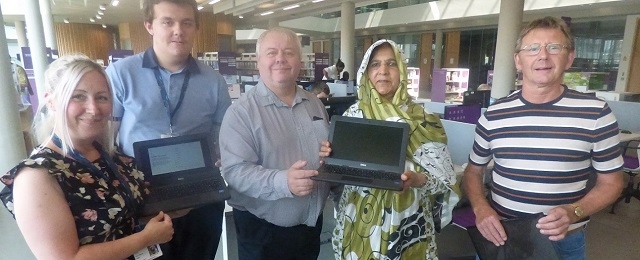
(544,153)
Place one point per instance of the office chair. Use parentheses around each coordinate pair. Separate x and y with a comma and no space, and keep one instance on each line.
(631,156)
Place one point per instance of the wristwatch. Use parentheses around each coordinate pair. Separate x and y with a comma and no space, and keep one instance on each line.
(577,209)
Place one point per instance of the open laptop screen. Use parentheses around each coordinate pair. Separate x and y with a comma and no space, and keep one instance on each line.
(367,143)
(176,157)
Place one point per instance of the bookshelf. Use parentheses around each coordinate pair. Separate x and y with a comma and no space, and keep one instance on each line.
(449,84)
(413,81)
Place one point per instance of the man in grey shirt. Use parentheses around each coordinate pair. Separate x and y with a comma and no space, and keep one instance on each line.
(269,145)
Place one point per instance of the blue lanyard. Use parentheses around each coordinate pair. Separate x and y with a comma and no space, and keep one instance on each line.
(165,96)
(124,182)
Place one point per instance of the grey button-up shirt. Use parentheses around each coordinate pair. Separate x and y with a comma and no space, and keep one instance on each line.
(260,138)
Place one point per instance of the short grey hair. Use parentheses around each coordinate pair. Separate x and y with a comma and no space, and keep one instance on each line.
(289,34)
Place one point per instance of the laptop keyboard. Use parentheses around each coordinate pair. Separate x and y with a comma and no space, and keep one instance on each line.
(381,175)
(170,192)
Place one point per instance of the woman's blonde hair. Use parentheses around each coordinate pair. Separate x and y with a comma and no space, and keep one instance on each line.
(61,79)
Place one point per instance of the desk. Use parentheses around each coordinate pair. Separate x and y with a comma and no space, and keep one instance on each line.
(628,137)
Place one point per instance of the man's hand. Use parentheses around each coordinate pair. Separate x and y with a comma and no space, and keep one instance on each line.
(299,180)
(488,223)
(325,150)
(556,223)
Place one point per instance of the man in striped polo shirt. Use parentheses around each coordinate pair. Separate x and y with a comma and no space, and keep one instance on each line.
(545,140)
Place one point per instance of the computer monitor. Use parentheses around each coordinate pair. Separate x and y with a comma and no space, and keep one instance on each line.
(482,97)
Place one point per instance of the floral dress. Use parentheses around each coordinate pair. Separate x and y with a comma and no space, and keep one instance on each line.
(103,210)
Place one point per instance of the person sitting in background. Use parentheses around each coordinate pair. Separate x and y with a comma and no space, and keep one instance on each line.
(345,76)
(74,197)
(375,223)
(333,72)
(484,87)
(321,89)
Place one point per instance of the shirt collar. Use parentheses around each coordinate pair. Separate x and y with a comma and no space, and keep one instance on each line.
(270,98)
(150,61)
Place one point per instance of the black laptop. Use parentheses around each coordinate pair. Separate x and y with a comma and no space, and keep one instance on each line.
(524,241)
(181,172)
(366,152)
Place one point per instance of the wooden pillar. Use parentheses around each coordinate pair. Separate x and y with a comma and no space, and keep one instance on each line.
(426,52)
(451,50)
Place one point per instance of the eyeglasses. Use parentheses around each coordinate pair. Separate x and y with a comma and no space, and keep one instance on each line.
(534,49)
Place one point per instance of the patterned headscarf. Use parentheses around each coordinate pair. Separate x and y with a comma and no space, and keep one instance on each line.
(424,127)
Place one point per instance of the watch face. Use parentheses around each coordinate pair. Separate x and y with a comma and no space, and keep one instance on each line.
(578,211)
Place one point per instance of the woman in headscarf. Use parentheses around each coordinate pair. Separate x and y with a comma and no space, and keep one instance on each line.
(383,224)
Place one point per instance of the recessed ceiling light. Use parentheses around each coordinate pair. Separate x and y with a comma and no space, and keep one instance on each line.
(213,1)
(98,17)
(266,13)
(92,20)
(290,7)
(115,2)
(102,7)
(200,7)
(66,20)
(317,1)
(104,26)
(100,13)
(240,16)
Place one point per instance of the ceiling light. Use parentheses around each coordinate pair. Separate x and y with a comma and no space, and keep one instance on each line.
(200,7)
(266,13)
(317,1)
(66,20)
(98,17)
(290,7)
(102,7)
(213,1)
(115,2)
(240,16)
(100,13)
(92,20)
(104,26)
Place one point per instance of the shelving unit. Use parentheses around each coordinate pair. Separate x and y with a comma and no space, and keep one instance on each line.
(247,66)
(307,72)
(211,59)
(449,84)
(413,81)
(456,82)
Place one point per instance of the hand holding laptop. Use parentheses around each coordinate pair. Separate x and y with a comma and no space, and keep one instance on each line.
(159,228)
(556,223)
(298,179)
(325,150)
(411,179)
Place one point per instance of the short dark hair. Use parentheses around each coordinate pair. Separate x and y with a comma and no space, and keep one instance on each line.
(320,87)
(340,64)
(149,13)
(547,23)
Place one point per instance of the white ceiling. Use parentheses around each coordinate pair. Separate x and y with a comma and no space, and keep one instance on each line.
(79,11)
